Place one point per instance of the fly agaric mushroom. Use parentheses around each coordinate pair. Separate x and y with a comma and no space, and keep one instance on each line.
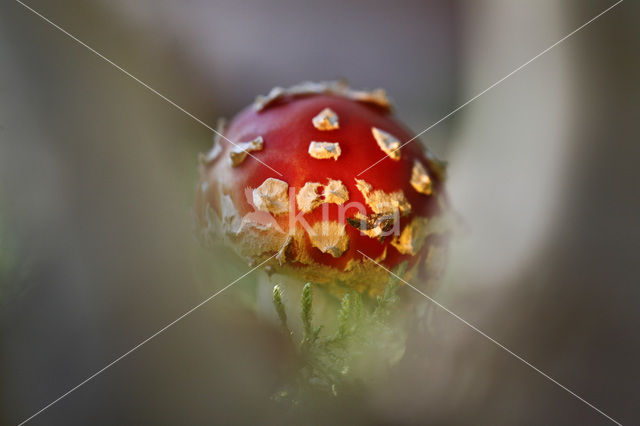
(318,208)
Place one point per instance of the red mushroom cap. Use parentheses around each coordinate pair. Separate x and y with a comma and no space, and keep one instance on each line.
(313,199)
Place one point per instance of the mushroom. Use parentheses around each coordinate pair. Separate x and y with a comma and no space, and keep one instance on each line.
(319,211)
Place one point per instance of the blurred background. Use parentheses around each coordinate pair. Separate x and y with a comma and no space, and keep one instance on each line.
(97,174)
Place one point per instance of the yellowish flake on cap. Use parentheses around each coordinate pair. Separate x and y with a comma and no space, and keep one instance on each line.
(262,101)
(308,197)
(324,150)
(414,234)
(326,119)
(272,196)
(388,143)
(335,192)
(329,237)
(376,97)
(412,237)
(382,202)
(420,179)
(240,151)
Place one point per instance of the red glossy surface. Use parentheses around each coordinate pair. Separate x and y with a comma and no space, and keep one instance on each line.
(287,131)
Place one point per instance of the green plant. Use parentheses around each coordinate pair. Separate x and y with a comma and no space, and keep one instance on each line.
(367,340)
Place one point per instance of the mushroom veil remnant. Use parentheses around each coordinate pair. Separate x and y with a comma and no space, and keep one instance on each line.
(296,186)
